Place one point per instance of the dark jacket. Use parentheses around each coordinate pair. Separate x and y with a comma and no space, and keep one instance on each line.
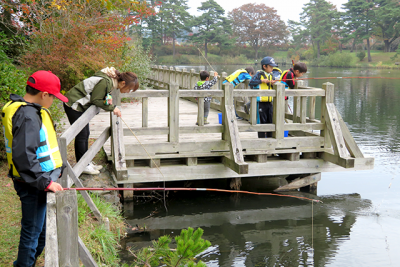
(289,75)
(256,79)
(27,123)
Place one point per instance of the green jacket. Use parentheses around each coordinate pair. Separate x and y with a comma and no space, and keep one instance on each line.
(91,91)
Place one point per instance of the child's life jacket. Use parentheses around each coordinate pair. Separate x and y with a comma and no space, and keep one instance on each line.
(237,77)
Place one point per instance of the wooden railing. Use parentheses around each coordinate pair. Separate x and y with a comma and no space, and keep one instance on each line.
(70,177)
(64,247)
(334,143)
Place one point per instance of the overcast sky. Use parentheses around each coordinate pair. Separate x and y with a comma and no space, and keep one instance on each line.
(286,9)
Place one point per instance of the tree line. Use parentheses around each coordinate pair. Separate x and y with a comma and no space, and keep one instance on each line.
(323,27)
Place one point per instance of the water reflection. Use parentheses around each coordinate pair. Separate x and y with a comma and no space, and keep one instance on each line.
(253,230)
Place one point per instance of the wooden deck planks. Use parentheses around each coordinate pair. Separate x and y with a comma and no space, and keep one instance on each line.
(158,117)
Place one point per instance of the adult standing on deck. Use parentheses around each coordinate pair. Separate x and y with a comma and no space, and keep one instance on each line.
(96,90)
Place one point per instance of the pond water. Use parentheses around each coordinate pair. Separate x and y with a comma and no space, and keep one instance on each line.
(358,223)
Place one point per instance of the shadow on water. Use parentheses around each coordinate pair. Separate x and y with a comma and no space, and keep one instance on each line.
(251,230)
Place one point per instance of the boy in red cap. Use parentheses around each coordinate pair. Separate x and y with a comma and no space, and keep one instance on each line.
(33,158)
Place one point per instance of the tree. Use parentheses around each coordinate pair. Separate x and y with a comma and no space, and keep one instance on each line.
(387,19)
(298,33)
(75,38)
(176,19)
(360,16)
(258,25)
(317,17)
(211,26)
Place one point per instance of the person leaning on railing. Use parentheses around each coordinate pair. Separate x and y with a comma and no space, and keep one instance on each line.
(96,90)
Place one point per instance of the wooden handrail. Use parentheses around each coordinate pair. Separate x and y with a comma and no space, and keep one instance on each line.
(80,123)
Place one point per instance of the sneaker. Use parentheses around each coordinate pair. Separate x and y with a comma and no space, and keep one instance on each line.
(239,118)
(90,170)
(95,166)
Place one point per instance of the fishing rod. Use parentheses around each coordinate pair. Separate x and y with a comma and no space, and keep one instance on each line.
(330,78)
(207,61)
(188,189)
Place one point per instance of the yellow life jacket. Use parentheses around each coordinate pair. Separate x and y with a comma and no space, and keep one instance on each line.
(234,77)
(266,86)
(47,153)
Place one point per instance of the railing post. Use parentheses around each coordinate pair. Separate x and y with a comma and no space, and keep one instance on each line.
(67,228)
(226,101)
(118,146)
(173,113)
(185,79)
(165,77)
(279,111)
(51,256)
(328,98)
(312,102)
(220,86)
(145,111)
(192,80)
(160,76)
(296,105)
(171,75)
(62,144)
(200,113)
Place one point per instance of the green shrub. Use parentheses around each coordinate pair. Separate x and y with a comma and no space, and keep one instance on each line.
(361,55)
(344,59)
(13,81)
(137,60)
(189,244)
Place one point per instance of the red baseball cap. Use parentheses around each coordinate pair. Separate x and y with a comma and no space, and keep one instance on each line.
(46,81)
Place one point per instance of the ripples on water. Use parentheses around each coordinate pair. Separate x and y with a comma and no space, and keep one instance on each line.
(357,225)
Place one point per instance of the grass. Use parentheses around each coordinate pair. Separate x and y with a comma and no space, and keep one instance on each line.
(196,59)
(102,244)
(380,58)
(10,217)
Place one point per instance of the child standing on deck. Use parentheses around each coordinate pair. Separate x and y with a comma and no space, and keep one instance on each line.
(263,80)
(206,84)
(238,77)
(288,76)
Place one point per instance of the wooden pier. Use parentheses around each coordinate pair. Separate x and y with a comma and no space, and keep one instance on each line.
(169,146)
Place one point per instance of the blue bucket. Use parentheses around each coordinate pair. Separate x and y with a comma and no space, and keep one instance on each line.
(220,118)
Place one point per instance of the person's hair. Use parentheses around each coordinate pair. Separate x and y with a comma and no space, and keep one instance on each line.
(128,77)
(266,65)
(29,89)
(204,75)
(301,67)
(250,70)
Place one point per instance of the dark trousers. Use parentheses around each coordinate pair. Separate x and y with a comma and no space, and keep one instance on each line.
(82,139)
(265,110)
(33,224)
